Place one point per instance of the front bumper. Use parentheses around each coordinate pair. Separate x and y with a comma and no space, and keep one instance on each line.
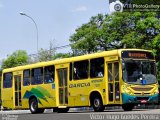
(126,98)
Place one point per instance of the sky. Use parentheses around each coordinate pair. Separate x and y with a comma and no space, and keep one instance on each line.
(56,21)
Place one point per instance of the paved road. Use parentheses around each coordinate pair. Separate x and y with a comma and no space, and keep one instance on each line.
(142,114)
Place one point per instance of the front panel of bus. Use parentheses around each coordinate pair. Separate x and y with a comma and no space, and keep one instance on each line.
(139,83)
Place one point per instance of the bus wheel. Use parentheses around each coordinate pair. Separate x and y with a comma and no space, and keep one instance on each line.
(97,104)
(33,106)
(128,107)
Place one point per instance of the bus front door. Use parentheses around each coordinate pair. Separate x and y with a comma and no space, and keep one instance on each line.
(113,83)
(63,86)
(17,88)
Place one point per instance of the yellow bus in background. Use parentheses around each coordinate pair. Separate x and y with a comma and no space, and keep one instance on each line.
(123,77)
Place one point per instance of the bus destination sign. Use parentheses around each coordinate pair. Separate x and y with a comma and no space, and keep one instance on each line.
(137,54)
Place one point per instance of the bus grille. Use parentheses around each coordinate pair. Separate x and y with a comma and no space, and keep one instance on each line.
(142,89)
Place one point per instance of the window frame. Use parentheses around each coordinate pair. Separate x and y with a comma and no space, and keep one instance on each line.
(29,77)
(97,67)
(87,74)
(39,77)
(53,74)
(7,81)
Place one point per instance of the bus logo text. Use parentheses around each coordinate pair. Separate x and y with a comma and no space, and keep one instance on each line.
(79,85)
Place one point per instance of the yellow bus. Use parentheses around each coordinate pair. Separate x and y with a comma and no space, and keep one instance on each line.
(123,77)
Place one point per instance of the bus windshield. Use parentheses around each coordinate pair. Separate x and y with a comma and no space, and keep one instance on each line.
(134,71)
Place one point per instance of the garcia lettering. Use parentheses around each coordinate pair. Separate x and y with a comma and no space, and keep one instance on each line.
(79,85)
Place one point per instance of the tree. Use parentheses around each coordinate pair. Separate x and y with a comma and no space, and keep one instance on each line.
(45,55)
(118,30)
(143,2)
(17,58)
(62,55)
(102,32)
(87,38)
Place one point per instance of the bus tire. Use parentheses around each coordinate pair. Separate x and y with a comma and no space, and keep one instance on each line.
(33,106)
(128,107)
(97,104)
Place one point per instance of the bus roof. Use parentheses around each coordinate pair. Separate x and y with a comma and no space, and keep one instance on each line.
(71,59)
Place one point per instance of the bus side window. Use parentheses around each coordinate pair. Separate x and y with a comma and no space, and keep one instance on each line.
(80,70)
(26,77)
(97,68)
(49,74)
(7,80)
(37,76)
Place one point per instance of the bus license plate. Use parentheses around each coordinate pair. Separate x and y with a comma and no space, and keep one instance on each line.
(143,101)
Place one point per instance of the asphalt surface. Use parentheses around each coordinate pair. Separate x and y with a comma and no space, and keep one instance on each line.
(119,114)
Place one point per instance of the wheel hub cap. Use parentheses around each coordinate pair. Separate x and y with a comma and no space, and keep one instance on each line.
(96,103)
(33,106)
